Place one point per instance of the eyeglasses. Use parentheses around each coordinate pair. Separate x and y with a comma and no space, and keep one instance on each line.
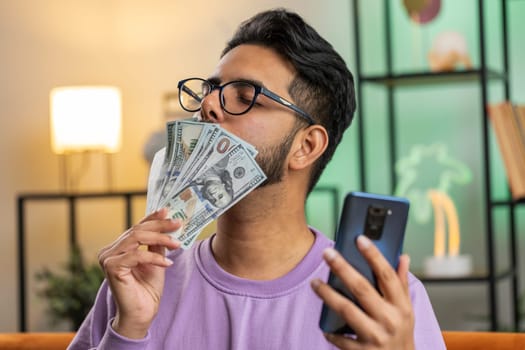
(236,97)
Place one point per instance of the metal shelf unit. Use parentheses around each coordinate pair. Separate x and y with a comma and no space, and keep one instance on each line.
(480,76)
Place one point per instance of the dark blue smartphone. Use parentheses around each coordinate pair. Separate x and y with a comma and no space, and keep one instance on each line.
(382,219)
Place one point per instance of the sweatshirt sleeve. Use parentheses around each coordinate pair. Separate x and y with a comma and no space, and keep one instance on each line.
(96,332)
(427,333)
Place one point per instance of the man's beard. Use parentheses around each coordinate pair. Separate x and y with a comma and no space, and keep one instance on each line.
(271,159)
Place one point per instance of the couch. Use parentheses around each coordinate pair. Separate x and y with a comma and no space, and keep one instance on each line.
(35,341)
(455,340)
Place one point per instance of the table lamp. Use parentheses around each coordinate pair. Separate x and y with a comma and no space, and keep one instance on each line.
(85,119)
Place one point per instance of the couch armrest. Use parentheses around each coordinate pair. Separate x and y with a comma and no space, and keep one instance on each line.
(457,340)
(35,341)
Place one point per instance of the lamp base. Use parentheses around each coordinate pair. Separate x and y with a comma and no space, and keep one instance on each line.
(74,165)
(447,266)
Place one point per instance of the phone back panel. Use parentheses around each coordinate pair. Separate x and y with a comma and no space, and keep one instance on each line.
(352,224)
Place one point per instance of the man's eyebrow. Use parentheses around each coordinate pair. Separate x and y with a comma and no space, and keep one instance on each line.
(214,80)
(250,81)
(218,81)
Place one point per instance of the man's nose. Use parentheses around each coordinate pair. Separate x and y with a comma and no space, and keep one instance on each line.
(211,110)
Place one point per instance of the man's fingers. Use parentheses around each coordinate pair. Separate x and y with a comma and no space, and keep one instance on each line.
(158,225)
(343,342)
(393,285)
(119,266)
(362,290)
(387,278)
(402,271)
(136,237)
(381,316)
(356,318)
(147,238)
(156,215)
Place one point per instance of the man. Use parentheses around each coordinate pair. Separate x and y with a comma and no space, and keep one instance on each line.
(258,282)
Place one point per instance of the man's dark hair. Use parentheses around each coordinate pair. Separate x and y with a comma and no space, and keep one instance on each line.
(323,85)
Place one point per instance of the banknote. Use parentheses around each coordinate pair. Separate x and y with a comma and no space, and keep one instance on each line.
(160,168)
(155,179)
(218,188)
(201,173)
(185,138)
(209,135)
(219,142)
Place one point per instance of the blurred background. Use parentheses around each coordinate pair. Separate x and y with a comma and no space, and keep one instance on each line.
(145,48)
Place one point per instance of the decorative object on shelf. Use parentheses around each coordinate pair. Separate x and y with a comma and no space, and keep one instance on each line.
(449,171)
(84,119)
(157,139)
(443,263)
(410,170)
(448,50)
(70,295)
(508,122)
(422,11)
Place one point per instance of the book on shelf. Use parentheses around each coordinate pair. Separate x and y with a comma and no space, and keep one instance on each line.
(519,112)
(508,122)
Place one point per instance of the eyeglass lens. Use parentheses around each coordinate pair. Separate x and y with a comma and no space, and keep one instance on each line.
(191,94)
(236,97)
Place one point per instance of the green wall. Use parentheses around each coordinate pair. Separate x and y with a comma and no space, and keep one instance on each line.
(448,114)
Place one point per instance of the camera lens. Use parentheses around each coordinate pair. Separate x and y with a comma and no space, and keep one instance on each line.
(375,220)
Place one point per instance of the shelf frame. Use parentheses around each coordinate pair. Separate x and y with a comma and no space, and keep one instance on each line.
(480,75)
(433,78)
(473,278)
(72,200)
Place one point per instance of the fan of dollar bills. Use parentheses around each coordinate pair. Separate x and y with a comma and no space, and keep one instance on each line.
(201,173)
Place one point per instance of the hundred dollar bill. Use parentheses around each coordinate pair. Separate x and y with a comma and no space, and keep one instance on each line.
(218,144)
(212,193)
(186,136)
(209,134)
(155,173)
(160,170)
(222,143)
(171,128)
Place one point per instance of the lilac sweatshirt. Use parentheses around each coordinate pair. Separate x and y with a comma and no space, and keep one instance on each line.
(203,307)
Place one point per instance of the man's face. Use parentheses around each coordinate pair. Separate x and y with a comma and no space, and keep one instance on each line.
(271,159)
(215,191)
(268,124)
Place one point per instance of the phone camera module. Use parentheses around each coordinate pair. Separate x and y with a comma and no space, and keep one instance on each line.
(375,220)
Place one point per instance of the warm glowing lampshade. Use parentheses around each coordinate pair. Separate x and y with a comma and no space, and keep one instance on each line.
(85,118)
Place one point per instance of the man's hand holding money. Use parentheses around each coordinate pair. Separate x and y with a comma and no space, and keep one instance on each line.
(136,275)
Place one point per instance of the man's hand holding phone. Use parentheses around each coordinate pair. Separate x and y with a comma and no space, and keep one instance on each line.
(366,301)
(385,319)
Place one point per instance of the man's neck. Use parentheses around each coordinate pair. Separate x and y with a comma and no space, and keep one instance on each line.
(263,237)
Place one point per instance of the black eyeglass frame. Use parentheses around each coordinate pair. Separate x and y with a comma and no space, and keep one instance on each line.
(258,90)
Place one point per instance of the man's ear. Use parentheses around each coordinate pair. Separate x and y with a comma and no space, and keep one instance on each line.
(308,146)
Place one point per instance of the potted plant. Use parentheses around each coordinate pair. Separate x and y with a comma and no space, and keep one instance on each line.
(70,293)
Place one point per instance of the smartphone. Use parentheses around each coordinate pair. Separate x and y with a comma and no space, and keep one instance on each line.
(382,219)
